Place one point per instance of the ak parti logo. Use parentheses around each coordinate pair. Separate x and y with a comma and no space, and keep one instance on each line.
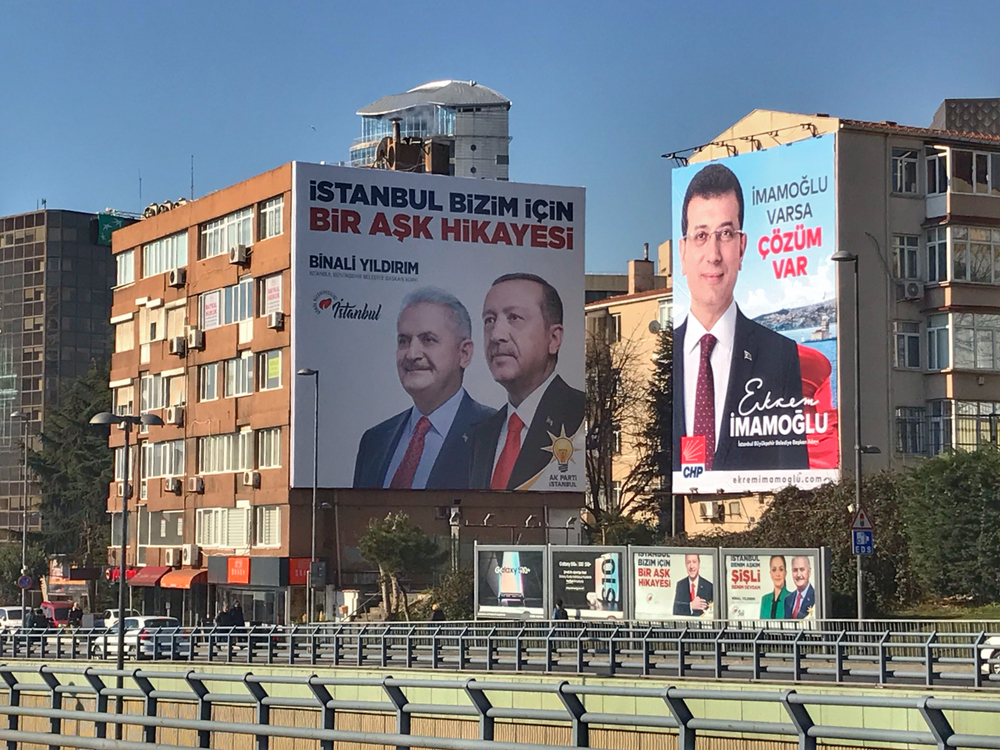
(692,456)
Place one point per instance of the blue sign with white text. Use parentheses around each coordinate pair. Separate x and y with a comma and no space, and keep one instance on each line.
(864,541)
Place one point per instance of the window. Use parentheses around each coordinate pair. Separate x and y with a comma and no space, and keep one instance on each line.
(616,439)
(119,464)
(217,237)
(270,217)
(124,400)
(939,427)
(125,263)
(616,494)
(125,336)
(976,423)
(907,344)
(975,172)
(269,368)
(270,295)
(151,393)
(937,342)
(615,329)
(937,254)
(225,453)
(910,424)
(503,160)
(904,170)
(176,390)
(665,313)
(208,382)
(905,248)
(223,307)
(269,448)
(164,254)
(267,526)
(977,341)
(176,322)
(937,171)
(222,527)
(152,324)
(164,459)
(239,375)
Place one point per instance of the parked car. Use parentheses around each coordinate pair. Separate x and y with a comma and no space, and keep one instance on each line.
(57,612)
(110,616)
(991,653)
(11,617)
(148,637)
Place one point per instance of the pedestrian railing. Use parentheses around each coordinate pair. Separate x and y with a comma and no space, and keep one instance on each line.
(702,650)
(158,702)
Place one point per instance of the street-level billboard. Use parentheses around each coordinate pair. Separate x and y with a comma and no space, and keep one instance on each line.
(674,584)
(755,321)
(445,317)
(774,584)
(510,581)
(591,582)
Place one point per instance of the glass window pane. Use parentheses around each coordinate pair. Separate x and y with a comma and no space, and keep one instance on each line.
(981,263)
(961,171)
(964,355)
(982,173)
(959,263)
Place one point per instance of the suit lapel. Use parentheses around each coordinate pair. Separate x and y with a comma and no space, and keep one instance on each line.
(484,449)
(455,442)
(741,368)
(533,457)
(395,432)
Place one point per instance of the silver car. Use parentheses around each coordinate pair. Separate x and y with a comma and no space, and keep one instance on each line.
(148,637)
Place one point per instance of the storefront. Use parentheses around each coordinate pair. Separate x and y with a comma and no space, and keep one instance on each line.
(189,587)
(146,594)
(270,590)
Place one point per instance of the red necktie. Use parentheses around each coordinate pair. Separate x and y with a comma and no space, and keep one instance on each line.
(511,447)
(798,602)
(704,399)
(692,591)
(403,478)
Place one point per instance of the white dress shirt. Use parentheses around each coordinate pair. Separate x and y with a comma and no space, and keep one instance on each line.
(441,419)
(721,360)
(526,412)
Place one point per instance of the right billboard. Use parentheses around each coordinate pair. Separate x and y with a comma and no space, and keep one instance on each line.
(777,584)
(755,321)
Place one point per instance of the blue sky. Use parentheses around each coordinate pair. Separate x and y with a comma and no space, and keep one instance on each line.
(92,94)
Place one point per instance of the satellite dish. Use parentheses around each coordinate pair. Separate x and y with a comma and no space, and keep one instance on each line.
(654,326)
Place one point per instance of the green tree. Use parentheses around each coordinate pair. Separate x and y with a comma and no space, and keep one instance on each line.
(400,549)
(658,429)
(10,569)
(74,468)
(455,594)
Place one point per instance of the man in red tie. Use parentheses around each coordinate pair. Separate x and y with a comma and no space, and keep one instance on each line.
(800,603)
(522,334)
(693,594)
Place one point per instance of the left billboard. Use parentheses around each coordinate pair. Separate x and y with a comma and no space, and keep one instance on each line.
(510,581)
(445,318)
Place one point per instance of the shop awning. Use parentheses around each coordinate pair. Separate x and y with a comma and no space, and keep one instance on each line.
(183,579)
(149,576)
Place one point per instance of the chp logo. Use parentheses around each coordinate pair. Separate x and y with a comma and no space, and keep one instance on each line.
(328,303)
(692,456)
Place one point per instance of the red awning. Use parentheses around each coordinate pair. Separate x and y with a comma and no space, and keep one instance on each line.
(183,579)
(149,576)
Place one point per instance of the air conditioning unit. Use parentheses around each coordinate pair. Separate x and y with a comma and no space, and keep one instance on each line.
(177,277)
(120,490)
(114,556)
(177,345)
(191,555)
(276,320)
(239,255)
(175,415)
(196,339)
(196,485)
(711,510)
(251,479)
(173,485)
(910,290)
(172,557)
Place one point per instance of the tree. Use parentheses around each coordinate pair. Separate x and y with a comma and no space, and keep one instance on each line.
(10,569)
(456,595)
(74,469)
(658,431)
(400,549)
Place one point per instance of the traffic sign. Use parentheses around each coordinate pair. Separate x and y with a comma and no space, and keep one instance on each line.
(861,521)
(864,541)
(24,582)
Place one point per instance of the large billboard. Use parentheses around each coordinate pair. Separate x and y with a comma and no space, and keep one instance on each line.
(510,581)
(445,317)
(590,582)
(779,584)
(674,584)
(755,321)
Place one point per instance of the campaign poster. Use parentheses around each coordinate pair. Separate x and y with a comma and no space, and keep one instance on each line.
(589,581)
(755,316)
(670,584)
(440,312)
(773,585)
(510,581)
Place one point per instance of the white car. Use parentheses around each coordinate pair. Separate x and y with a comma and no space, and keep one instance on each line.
(150,637)
(11,617)
(111,616)
(991,653)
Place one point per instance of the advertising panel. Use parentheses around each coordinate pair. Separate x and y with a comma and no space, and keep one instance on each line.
(755,316)
(674,584)
(441,312)
(589,581)
(510,581)
(779,584)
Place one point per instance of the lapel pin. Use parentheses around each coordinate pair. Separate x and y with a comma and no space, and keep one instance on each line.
(747,356)
(465,437)
(548,421)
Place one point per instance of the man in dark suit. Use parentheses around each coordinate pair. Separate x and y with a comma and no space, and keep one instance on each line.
(800,603)
(522,333)
(728,369)
(428,446)
(693,594)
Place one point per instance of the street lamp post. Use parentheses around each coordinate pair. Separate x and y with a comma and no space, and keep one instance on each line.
(23,417)
(126,421)
(311,592)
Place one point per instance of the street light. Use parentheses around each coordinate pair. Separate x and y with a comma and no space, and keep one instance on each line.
(24,417)
(125,421)
(842,256)
(310,591)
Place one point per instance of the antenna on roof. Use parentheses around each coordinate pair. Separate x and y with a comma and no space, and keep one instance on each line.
(192,176)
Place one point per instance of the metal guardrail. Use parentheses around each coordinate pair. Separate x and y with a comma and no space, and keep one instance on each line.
(484,704)
(573,647)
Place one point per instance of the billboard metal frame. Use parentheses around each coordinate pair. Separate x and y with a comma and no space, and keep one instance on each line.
(597,549)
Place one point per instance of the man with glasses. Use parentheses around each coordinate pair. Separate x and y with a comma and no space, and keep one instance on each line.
(726,365)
